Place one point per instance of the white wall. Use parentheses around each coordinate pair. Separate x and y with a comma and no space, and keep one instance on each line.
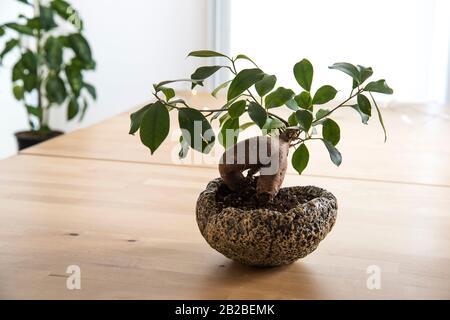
(135,43)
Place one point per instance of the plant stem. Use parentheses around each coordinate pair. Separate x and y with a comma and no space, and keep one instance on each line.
(339,105)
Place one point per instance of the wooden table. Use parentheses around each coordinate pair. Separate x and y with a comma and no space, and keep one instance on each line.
(95,198)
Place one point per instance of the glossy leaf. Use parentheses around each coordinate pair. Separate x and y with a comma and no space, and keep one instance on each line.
(243,56)
(331,131)
(206,54)
(304,119)
(364,72)
(335,155)
(278,97)
(321,113)
(292,104)
(203,73)
(364,104)
(73,108)
(136,119)
(75,78)
(292,120)
(20,28)
(80,46)
(273,123)
(324,94)
(237,109)
(364,117)
(169,93)
(304,100)
(300,158)
(257,113)
(196,129)
(228,135)
(349,69)
(56,90)
(46,18)
(155,126)
(303,72)
(378,86)
(53,53)
(244,80)
(265,85)
(91,89)
(37,112)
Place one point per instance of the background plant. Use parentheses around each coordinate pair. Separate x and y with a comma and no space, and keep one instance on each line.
(252,91)
(51,65)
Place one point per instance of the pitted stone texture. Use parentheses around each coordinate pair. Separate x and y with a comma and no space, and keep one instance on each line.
(263,237)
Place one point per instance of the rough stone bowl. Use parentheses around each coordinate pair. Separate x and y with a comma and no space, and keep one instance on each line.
(263,237)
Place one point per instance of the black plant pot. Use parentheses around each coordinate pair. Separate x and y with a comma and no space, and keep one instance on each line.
(27,139)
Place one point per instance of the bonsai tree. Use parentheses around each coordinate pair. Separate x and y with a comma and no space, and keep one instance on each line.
(251,91)
(51,62)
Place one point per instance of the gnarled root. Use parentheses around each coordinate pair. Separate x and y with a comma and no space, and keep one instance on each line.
(265,154)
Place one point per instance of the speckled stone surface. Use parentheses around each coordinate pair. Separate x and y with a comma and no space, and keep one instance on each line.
(262,237)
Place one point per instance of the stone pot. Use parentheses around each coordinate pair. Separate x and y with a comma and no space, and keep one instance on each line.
(263,237)
(27,139)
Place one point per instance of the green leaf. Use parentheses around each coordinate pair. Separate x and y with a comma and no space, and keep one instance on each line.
(75,78)
(304,100)
(80,46)
(196,129)
(203,73)
(331,131)
(257,113)
(364,117)
(364,104)
(349,69)
(136,118)
(335,155)
(206,54)
(56,91)
(246,125)
(278,97)
(83,110)
(304,119)
(300,158)
(324,94)
(30,82)
(237,109)
(292,104)
(46,18)
(292,120)
(379,116)
(2,32)
(73,108)
(11,44)
(243,56)
(378,86)
(37,112)
(22,29)
(244,80)
(220,87)
(18,92)
(158,86)
(65,11)
(169,93)
(365,74)
(273,123)
(53,53)
(321,113)
(155,126)
(303,72)
(91,89)
(265,85)
(228,135)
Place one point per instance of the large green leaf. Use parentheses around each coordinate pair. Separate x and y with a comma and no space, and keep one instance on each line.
(303,72)
(20,28)
(292,120)
(364,104)
(155,126)
(205,72)
(136,118)
(80,46)
(206,54)
(73,108)
(257,113)
(300,158)
(365,73)
(11,44)
(46,18)
(324,94)
(292,104)
(56,91)
(304,119)
(335,155)
(53,52)
(321,113)
(228,135)
(196,129)
(378,86)
(237,109)
(278,97)
(244,80)
(75,78)
(331,131)
(265,85)
(349,69)
(304,100)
